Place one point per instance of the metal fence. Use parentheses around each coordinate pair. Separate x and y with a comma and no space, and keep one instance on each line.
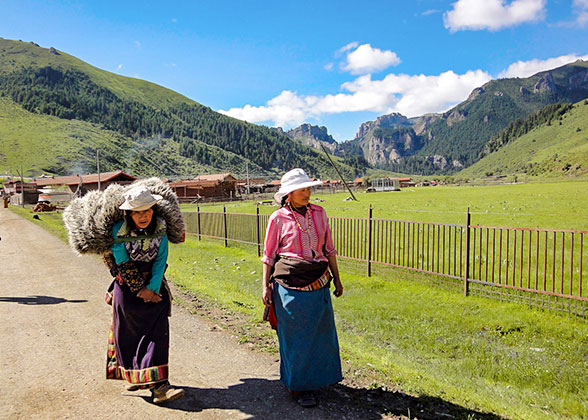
(544,267)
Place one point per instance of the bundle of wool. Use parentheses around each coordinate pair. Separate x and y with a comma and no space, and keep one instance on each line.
(89,220)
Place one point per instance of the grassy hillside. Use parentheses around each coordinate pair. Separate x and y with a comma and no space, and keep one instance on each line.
(16,55)
(462,132)
(165,127)
(47,144)
(552,150)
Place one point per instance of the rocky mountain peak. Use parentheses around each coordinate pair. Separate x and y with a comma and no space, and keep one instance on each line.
(385,121)
(313,132)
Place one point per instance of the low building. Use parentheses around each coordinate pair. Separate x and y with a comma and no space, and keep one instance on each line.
(404,182)
(17,190)
(251,185)
(206,188)
(81,184)
(273,186)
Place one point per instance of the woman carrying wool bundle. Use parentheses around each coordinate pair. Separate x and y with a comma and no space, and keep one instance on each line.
(299,260)
(139,339)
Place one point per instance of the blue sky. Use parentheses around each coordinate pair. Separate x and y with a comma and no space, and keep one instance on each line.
(332,63)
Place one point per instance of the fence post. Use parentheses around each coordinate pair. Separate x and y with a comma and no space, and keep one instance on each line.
(258,233)
(199,230)
(225,224)
(466,284)
(369,244)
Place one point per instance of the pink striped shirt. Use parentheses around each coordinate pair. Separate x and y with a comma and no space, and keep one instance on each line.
(284,237)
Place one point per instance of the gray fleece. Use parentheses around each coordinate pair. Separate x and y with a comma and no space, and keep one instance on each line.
(89,220)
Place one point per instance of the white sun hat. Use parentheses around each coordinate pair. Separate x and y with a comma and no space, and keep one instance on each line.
(139,198)
(293,180)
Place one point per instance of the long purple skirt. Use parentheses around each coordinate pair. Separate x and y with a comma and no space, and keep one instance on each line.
(138,344)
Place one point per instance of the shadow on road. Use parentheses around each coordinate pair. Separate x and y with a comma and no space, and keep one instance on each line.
(39,300)
(267,399)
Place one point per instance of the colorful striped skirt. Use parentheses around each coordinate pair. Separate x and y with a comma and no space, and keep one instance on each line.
(309,349)
(138,344)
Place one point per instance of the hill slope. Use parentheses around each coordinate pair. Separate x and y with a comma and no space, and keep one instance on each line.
(50,82)
(445,143)
(554,149)
(47,144)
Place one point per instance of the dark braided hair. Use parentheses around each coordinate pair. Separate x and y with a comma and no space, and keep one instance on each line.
(284,199)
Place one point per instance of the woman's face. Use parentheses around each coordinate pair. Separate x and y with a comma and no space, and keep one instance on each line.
(300,198)
(142,218)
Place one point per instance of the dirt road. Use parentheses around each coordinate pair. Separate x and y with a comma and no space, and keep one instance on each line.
(53,345)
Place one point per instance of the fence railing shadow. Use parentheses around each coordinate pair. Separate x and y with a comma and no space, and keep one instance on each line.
(265,399)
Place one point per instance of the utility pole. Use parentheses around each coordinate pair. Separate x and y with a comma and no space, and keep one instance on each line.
(98,166)
(22,186)
(247,169)
(339,173)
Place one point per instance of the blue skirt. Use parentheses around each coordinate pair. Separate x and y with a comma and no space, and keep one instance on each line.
(309,349)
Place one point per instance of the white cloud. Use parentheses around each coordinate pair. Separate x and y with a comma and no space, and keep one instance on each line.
(492,14)
(581,9)
(430,12)
(531,67)
(328,66)
(409,95)
(347,47)
(286,109)
(119,67)
(365,59)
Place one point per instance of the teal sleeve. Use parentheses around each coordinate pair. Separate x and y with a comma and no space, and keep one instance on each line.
(118,250)
(159,266)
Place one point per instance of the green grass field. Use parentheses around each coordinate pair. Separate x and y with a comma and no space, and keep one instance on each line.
(558,205)
(396,332)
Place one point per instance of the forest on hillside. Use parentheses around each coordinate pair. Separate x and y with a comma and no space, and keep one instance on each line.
(71,94)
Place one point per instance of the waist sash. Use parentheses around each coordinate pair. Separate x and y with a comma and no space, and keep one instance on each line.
(298,274)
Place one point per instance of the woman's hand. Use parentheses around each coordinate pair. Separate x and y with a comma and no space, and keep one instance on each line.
(338,287)
(149,295)
(266,295)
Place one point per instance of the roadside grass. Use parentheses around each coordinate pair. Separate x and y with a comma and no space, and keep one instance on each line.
(499,357)
(558,205)
(50,221)
(398,333)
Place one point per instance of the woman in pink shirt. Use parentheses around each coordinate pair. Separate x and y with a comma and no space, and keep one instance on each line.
(299,262)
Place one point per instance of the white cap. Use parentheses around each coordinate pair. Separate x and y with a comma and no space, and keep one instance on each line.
(293,180)
(139,198)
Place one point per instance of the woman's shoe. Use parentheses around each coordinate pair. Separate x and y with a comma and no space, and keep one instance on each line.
(307,399)
(164,393)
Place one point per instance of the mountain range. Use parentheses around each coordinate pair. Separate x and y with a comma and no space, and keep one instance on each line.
(57,112)
(448,142)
